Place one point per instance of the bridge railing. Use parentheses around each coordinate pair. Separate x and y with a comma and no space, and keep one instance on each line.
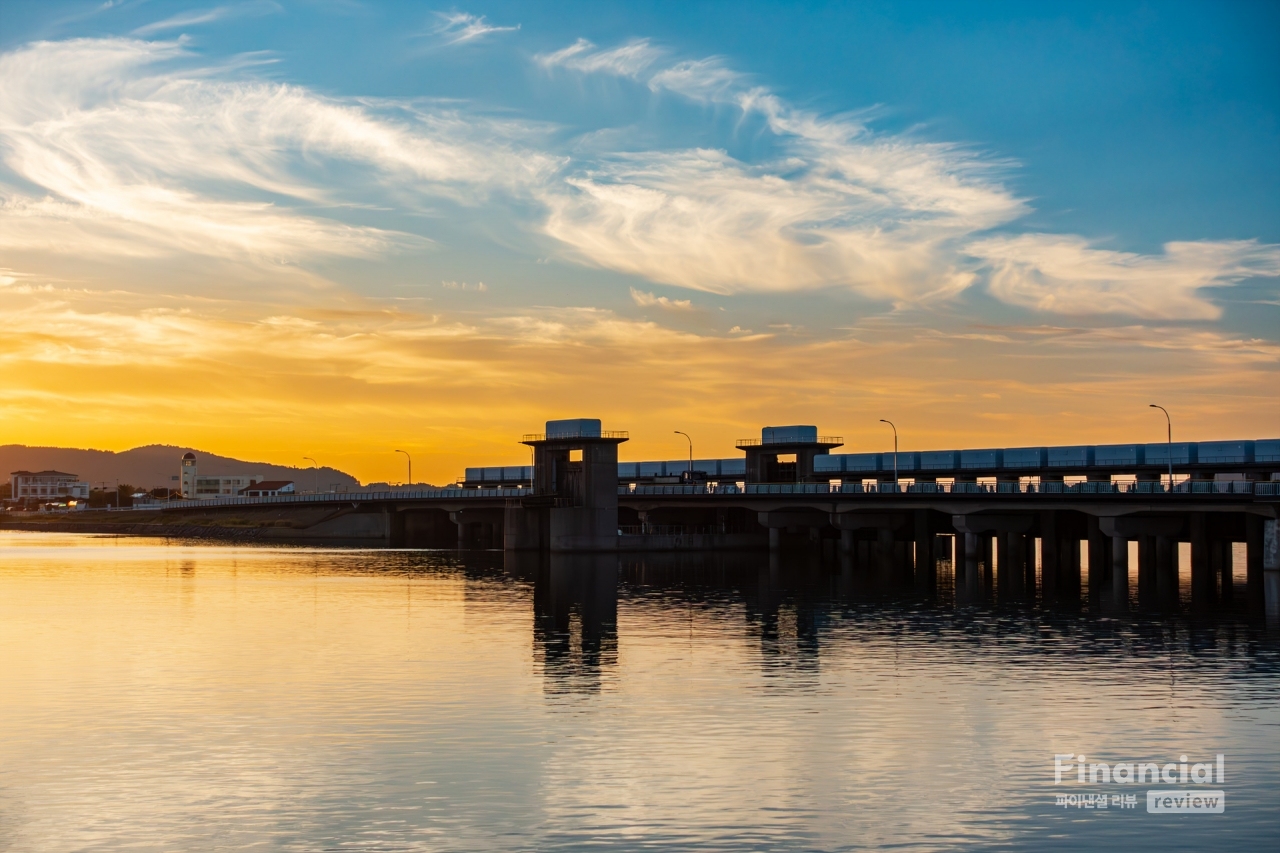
(348,497)
(1270,488)
(1207,487)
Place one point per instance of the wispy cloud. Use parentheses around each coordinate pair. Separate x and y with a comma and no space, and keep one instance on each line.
(196,17)
(459,27)
(136,158)
(890,216)
(137,150)
(839,207)
(1065,275)
(648,300)
(883,217)
(627,60)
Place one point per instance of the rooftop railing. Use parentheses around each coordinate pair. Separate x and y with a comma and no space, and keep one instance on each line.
(573,436)
(758,442)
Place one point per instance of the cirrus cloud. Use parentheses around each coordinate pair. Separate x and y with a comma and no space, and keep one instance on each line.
(138,155)
(1065,275)
(134,148)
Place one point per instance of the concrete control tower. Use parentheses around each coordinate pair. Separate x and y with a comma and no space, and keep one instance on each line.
(575,482)
(784,454)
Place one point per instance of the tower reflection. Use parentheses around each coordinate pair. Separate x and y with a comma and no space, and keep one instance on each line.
(575,617)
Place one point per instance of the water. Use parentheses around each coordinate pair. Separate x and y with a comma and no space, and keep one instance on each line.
(168,696)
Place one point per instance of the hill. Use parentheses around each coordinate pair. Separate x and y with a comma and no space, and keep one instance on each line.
(155,465)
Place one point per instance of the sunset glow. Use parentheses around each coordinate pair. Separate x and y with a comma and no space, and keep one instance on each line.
(217,230)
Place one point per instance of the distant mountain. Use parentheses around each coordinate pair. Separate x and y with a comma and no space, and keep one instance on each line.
(155,465)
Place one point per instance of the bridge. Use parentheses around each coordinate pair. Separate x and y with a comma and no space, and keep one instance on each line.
(1021,523)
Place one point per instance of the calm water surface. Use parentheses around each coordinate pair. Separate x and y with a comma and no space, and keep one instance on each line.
(169,696)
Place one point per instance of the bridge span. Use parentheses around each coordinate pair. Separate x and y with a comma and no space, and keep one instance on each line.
(1025,538)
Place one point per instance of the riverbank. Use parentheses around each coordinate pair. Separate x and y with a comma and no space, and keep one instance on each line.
(251,525)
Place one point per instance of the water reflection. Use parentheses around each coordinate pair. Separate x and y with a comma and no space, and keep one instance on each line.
(575,616)
(165,696)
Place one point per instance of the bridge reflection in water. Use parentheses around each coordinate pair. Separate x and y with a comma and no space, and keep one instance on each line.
(794,605)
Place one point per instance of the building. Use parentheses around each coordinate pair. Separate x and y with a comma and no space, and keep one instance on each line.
(268,489)
(199,486)
(32,486)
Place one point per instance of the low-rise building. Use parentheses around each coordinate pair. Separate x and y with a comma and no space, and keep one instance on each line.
(31,486)
(268,489)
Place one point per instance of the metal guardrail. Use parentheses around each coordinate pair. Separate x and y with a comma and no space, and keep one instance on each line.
(604,433)
(694,489)
(758,442)
(348,497)
(1224,487)
(1263,488)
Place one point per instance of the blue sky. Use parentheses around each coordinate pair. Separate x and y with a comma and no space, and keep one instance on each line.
(1146,121)
(1088,189)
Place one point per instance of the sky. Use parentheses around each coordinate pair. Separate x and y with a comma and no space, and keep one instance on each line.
(336,229)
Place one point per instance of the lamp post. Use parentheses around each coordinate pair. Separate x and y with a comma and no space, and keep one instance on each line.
(895,452)
(316,466)
(1169,424)
(690,440)
(410,458)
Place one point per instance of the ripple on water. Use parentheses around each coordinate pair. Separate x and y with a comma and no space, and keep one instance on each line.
(167,695)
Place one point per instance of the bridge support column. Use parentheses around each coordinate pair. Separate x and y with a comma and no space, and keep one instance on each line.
(1119,573)
(775,538)
(1050,554)
(1167,573)
(1029,567)
(1099,550)
(926,574)
(524,528)
(1146,572)
(969,582)
(1069,566)
(1017,566)
(943,550)
(884,555)
(393,524)
(1224,555)
(1004,562)
(1201,569)
(847,544)
(988,566)
(1254,542)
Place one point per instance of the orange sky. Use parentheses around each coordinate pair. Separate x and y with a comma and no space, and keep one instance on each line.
(350,383)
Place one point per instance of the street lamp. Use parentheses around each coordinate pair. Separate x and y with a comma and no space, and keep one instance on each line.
(895,452)
(410,458)
(1169,424)
(315,465)
(686,435)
